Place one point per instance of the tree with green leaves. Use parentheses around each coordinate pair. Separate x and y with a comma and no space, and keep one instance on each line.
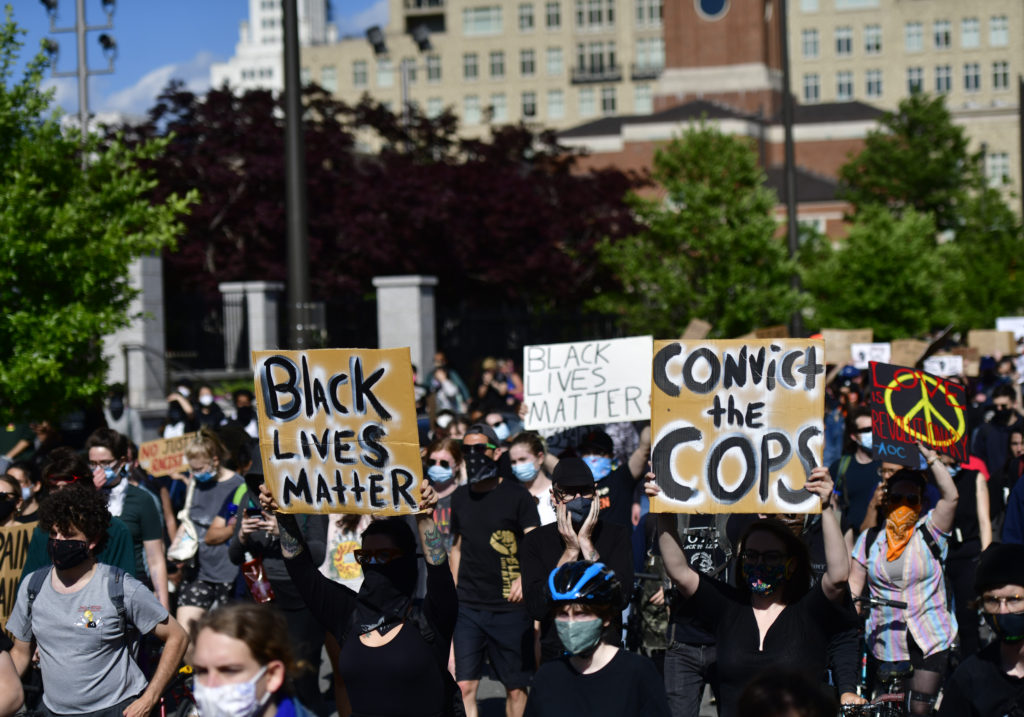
(887,274)
(67,237)
(708,248)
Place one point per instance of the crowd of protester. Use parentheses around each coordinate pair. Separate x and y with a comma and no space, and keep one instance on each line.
(533,561)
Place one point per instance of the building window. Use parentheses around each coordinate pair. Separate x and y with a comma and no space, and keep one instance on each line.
(529,105)
(588,102)
(359,76)
(998,31)
(809,43)
(972,77)
(595,57)
(526,16)
(433,68)
(608,100)
(471,109)
(481,20)
(812,88)
(556,104)
(874,83)
(497,63)
(385,73)
(844,86)
(553,62)
(329,78)
(434,107)
(595,13)
(872,39)
(527,63)
(643,99)
(305,76)
(913,34)
(650,53)
(649,13)
(942,34)
(915,79)
(970,32)
(997,168)
(553,15)
(499,107)
(943,78)
(1000,75)
(408,65)
(808,5)
(844,40)
(470,70)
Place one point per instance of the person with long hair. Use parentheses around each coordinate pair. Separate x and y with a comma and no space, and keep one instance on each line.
(773,617)
(526,453)
(243,664)
(903,561)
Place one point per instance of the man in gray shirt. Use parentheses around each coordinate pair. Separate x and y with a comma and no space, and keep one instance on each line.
(83,650)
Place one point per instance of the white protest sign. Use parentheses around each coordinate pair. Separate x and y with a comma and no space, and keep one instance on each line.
(944,365)
(863,354)
(1011,323)
(587,382)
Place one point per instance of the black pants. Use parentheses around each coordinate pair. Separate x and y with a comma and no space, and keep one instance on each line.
(307,639)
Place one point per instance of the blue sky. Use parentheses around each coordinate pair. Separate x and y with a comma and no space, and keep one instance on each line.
(157,40)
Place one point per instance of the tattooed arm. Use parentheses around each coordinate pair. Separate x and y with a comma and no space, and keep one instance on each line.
(430,536)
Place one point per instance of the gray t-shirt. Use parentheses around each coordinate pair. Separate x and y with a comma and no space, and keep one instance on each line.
(215,564)
(82,652)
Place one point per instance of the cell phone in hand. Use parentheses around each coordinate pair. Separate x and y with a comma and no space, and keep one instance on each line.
(253,512)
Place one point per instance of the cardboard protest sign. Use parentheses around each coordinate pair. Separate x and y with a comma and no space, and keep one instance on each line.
(696,329)
(863,354)
(14,540)
(337,430)
(839,342)
(992,343)
(908,405)
(587,382)
(737,425)
(165,456)
(1011,323)
(907,352)
(944,365)
(971,359)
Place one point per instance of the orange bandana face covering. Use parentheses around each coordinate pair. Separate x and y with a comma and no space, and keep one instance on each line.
(899,528)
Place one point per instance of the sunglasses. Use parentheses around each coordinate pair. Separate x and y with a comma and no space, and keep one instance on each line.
(768,557)
(864,430)
(382,556)
(439,462)
(582,492)
(911,500)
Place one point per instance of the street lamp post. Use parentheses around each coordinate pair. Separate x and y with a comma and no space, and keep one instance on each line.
(82,71)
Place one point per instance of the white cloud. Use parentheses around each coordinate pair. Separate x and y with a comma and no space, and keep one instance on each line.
(66,92)
(376,14)
(138,98)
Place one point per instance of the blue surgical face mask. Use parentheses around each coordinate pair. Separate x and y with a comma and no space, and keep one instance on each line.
(600,466)
(953,470)
(579,508)
(204,476)
(525,472)
(26,492)
(439,474)
(110,475)
(865,441)
(501,431)
(579,636)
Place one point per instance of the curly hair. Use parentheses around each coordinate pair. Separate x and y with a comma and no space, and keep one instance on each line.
(65,464)
(77,507)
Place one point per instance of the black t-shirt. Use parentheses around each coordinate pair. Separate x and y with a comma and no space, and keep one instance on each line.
(966,542)
(628,685)
(855,489)
(615,491)
(539,555)
(980,687)
(797,640)
(491,526)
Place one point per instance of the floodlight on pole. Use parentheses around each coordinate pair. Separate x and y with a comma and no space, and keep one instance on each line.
(375,36)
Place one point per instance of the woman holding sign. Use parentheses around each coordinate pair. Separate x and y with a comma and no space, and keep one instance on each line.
(773,617)
(904,562)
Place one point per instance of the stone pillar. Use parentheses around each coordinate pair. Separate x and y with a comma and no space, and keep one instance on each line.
(251,314)
(136,353)
(405,316)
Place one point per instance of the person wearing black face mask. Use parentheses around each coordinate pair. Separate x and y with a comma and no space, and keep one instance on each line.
(380,631)
(991,443)
(578,534)
(10,499)
(991,682)
(121,417)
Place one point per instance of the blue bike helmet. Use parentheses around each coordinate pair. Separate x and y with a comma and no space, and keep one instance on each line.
(584,582)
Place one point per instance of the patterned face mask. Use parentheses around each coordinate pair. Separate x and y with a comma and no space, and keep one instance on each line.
(764,579)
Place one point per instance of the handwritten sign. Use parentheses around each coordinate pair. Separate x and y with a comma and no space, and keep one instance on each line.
(992,343)
(737,425)
(907,352)
(587,382)
(14,540)
(838,342)
(165,456)
(337,430)
(1011,323)
(944,365)
(863,354)
(908,406)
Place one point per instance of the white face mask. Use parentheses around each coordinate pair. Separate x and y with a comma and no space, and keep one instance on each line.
(234,700)
(206,399)
(865,441)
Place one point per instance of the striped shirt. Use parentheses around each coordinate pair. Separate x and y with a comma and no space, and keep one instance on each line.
(927,616)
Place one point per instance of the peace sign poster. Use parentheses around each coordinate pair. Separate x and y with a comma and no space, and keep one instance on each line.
(908,406)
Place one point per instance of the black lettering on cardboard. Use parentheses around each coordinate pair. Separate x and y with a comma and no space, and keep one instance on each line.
(729,497)
(271,389)
(660,369)
(661,461)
